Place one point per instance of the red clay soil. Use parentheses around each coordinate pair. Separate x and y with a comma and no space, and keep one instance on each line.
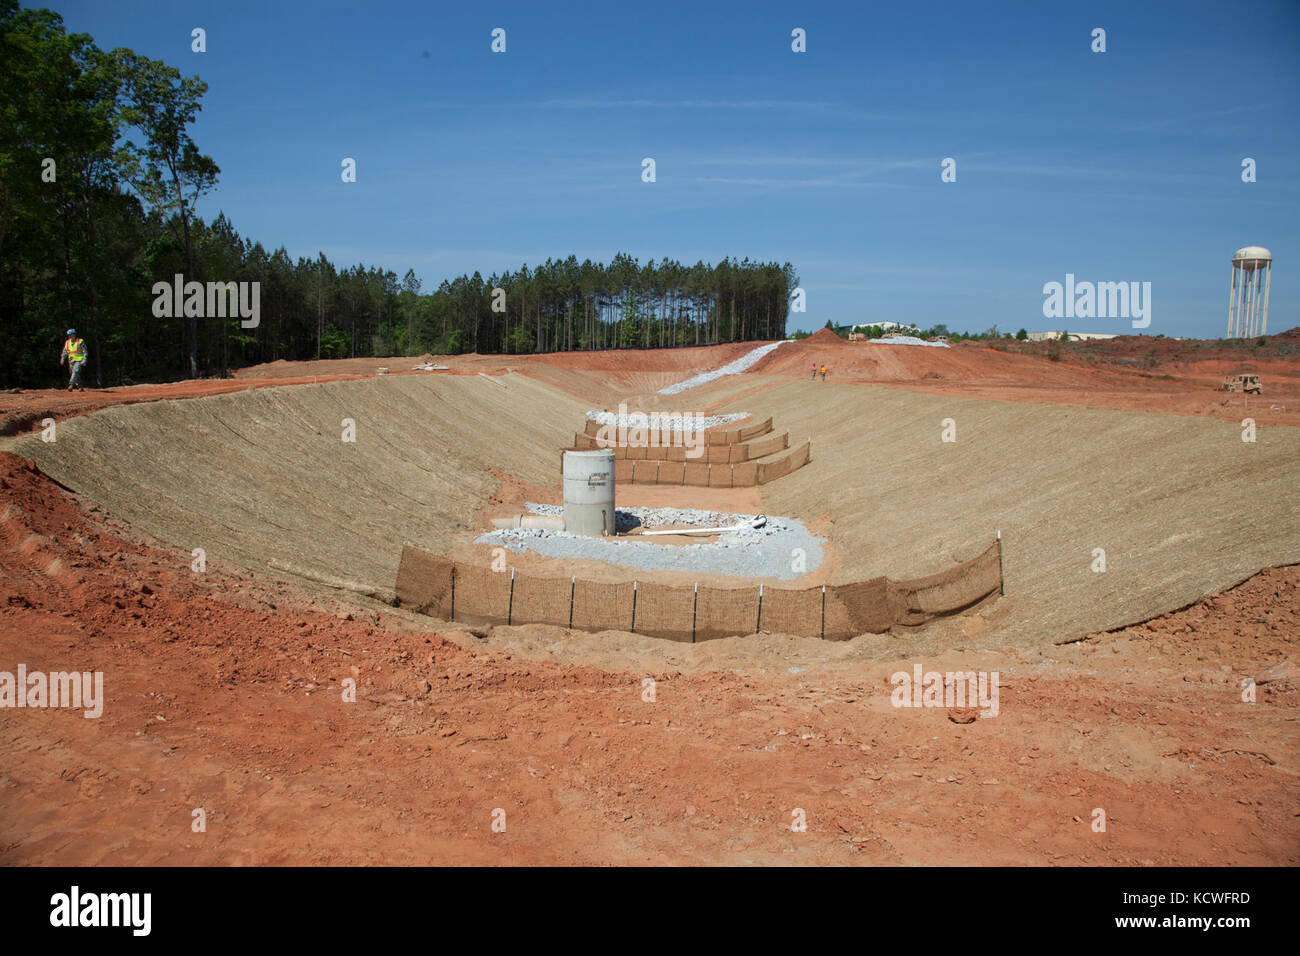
(223,693)
(24,409)
(1135,373)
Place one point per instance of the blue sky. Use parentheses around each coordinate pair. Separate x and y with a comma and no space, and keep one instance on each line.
(1115,166)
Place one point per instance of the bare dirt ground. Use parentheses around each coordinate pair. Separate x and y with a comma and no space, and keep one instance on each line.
(223,688)
(1132,373)
(1136,373)
(223,694)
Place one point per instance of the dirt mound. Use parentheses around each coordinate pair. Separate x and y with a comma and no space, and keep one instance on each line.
(1259,619)
(822,337)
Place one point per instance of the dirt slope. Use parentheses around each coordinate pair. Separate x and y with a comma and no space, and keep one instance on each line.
(1136,373)
(264,477)
(1181,506)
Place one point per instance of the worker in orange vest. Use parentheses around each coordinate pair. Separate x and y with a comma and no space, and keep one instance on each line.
(74,353)
(823,373)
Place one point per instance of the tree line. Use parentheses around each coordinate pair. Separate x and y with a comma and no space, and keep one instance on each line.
(99,182)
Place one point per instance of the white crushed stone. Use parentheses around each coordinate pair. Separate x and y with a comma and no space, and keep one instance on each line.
(731,368)
(664,421)
(766,552)
(907,340)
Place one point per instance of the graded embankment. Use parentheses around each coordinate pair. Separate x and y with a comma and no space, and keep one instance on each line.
(1180,506)
(264,477)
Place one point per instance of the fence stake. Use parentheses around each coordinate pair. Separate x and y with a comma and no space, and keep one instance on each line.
(823,612)
(1002,588)
(633,607)
(695,610)
(572,587)
(759,623)
(453,593)
(510,609)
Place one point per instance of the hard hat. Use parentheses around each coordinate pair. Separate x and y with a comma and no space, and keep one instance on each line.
(72,331)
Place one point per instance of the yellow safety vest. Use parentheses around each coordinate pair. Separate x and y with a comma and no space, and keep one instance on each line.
(76,350)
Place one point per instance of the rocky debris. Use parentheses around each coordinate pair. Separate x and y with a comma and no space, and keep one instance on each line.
(665,421)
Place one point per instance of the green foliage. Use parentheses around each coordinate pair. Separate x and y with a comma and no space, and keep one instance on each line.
(1023,335)
(334,344)
(85,249)
(521,340)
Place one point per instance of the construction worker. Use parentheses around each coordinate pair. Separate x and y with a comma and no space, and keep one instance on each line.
(814,375)
(823,373)
(74,353)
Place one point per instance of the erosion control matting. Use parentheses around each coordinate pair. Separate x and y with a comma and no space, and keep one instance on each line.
(1179,506)
(266,479)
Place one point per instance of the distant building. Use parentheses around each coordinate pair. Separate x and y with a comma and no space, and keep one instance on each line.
(1073,336)
(884,326)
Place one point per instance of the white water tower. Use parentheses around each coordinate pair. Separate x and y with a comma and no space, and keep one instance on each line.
(1252,268)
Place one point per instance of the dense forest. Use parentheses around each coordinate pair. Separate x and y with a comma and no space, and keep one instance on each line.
(99,183)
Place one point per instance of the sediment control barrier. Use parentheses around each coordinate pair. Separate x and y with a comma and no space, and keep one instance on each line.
(472,594)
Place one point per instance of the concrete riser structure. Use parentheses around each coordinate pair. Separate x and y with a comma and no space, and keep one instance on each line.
(589,492)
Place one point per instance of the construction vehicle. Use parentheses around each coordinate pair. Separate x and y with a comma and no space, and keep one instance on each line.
(1243,383)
